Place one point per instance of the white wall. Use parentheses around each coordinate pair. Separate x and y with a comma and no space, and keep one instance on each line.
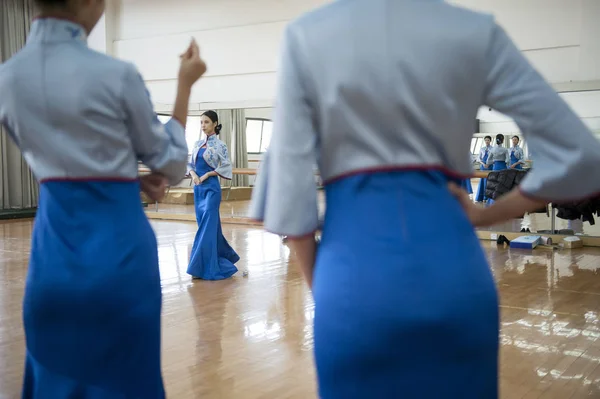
(97,38)
(240,39)
(549,32)
(260,113)
(102,37)
(585,104)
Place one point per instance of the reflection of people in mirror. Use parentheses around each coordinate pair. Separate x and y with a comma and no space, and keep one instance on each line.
(516,154)
(484,153)
(212,257)
(499,157)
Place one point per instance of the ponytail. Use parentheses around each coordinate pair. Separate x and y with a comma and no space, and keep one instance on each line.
(212,115)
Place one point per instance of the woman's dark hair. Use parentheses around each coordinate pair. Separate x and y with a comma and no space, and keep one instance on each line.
(212,115)
(488,137)
(516,137)
(499,139)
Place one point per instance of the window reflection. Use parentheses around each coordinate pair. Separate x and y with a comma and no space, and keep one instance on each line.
(193,129)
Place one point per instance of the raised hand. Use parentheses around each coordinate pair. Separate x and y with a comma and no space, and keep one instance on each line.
(192,66)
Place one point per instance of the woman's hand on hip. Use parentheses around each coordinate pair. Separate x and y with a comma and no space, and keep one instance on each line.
(154,186)
(472,210)
(512,205)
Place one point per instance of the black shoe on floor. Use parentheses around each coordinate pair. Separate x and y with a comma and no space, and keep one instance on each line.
(502,240)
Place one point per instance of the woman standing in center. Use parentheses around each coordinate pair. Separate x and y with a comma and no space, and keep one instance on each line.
(212,257)
(516,155)
(499,158)
(484,153)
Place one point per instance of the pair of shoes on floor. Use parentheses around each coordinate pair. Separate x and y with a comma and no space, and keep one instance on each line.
(525,231)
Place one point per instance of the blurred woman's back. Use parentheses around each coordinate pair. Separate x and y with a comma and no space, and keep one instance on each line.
(382,94)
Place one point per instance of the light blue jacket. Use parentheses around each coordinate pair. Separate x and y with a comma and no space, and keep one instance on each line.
(79,114)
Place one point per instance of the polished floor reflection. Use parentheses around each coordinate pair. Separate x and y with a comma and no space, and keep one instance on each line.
(251,337)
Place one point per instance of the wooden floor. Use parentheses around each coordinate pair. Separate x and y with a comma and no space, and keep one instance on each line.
(252,337)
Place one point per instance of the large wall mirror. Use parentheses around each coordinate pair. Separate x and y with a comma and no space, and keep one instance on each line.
(557,219)
(247,133)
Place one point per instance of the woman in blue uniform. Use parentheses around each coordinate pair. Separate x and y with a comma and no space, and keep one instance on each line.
(516,154)
(499,157)
(386,112)
(212,257)
(82,120)
(484,153)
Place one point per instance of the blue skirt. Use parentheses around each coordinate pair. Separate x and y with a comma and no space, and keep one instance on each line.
(93,298)
(397,315)
(212,257)
(498,165)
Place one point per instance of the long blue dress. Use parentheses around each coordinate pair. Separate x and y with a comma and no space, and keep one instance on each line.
(93,299)
(92,304)
(393,300)
(212,257)
(499,157)
(497,165)
(514,158)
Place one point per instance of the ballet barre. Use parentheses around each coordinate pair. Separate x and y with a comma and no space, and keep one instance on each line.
(142,170)
(477,174)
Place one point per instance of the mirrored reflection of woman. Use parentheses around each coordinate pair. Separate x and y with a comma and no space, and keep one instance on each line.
(484,153)
(517,158)
(498,159)
(212,257)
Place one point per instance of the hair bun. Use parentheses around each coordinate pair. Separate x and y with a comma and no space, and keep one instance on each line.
(218,128)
